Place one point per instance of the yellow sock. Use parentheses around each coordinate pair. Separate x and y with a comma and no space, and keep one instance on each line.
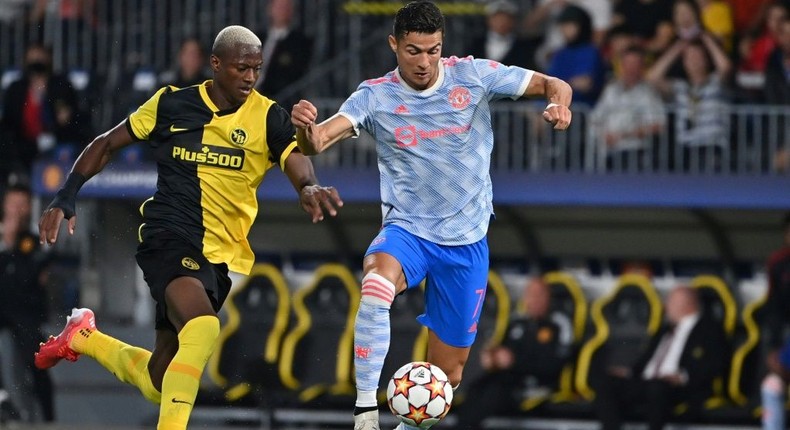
(128,363)
(180,385)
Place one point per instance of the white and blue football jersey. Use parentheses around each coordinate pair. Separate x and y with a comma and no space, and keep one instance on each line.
(434,146)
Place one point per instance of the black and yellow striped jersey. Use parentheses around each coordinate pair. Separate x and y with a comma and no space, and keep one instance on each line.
(210,163)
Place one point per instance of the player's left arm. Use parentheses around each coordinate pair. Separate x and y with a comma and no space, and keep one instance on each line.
(314,199)
(559,95)
(281,140)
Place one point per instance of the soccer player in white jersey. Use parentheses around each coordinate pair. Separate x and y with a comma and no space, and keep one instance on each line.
(432,124)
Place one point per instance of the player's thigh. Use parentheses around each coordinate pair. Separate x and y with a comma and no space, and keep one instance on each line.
(398,256)
(451,359)
(186,299)
(455,291)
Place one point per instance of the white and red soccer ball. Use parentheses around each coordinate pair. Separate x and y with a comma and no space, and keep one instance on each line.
(419,394)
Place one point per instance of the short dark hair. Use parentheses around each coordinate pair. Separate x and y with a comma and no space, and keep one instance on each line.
(18,188)
(419,17)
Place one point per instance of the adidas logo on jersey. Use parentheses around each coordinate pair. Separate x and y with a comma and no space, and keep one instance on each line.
(401,109)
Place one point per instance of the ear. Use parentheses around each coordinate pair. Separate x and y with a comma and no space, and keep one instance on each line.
(214,63)
(393,43)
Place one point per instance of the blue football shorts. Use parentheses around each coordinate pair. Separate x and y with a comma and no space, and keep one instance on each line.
(455,280)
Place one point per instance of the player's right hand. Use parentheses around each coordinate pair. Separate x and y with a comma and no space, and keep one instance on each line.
(303,114)
(49,225)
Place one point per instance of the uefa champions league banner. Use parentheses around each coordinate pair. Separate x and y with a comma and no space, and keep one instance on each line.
(137,180)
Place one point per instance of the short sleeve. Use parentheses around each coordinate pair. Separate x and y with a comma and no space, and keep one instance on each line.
(501,81)
(142,121)
(358,109)
(280,135)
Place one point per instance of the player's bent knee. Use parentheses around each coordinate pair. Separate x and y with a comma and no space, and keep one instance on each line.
(773,384)
(201,333)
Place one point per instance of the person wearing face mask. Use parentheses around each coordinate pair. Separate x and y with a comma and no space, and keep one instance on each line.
(39,110)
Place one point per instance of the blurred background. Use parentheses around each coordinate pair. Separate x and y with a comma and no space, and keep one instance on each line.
(675,171)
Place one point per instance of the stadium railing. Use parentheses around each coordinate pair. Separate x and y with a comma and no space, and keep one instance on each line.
(753,144)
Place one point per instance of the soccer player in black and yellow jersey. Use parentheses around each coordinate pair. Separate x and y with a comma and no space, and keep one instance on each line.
(213,144)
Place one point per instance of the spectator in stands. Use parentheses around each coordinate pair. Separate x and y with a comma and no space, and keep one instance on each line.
(8,411)
(755,49)
(541,23)
(618,40)
(777,71)
(746,14)
(39,110)
(191,68)
(716,17)
(649,20)
(286,54)
(701,116)
(64,23)
(679,365)
(777,327)
(528,362)
(579,62)
(629,115)
(23,308)
(501,41)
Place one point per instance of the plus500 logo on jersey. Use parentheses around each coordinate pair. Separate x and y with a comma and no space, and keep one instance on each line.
(229,158)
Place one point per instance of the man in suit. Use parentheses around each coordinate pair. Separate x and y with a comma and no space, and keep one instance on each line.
(536,347)
(679,366)
(286,54)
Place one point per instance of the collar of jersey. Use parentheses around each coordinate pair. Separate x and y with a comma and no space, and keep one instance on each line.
(207,100)
(428,91)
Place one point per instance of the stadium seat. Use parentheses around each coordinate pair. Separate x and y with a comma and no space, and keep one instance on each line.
(491,328)
(248,348)
(717,301)
(316,359)
(624,320)
(747,360)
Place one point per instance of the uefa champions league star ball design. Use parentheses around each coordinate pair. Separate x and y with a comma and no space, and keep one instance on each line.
(419,394)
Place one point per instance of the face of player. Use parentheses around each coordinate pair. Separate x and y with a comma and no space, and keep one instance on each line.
(418,56)
(235,76)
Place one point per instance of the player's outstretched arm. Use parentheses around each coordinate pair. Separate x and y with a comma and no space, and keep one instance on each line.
(315,138)
(90,162)
(559,95)
(314,199)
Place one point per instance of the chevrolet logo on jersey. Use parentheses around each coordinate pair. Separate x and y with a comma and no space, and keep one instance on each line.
(229,158)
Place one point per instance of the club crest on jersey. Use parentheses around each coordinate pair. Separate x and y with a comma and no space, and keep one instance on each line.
(459,97)
(238,136)
(190,263)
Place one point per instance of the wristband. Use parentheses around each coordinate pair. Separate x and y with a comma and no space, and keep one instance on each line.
(65,199)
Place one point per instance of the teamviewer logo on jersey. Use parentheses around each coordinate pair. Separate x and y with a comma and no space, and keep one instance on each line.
(406,136)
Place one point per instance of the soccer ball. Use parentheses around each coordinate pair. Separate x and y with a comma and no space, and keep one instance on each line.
(419,394)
